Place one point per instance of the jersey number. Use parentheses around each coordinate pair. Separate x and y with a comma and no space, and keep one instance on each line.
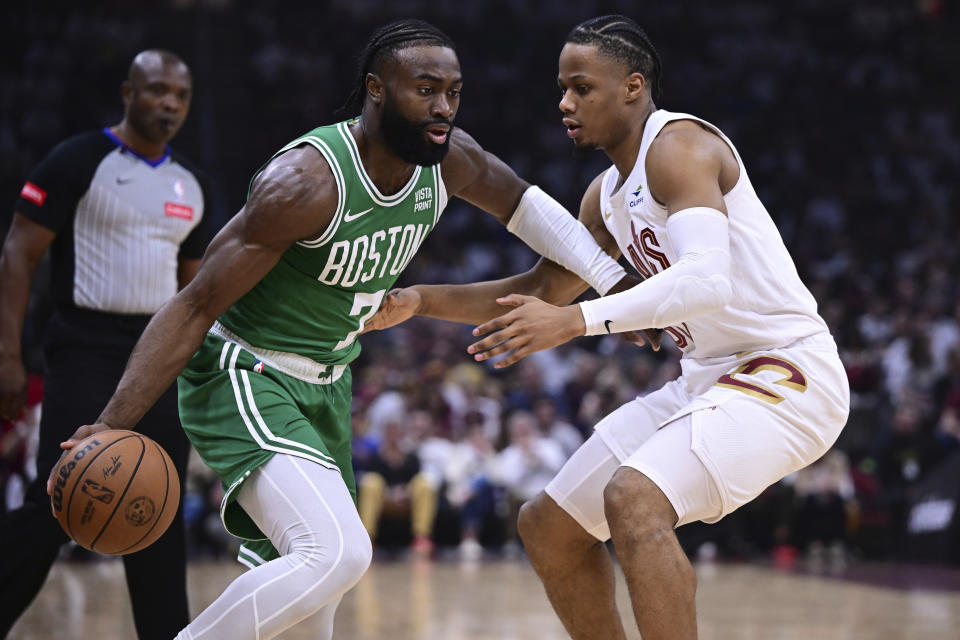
(649,260)
(364,306)
(792,378)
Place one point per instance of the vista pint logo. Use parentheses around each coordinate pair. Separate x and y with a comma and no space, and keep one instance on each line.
(423,199)
(637,198)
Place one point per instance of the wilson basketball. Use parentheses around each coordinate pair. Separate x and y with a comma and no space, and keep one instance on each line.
(116,492)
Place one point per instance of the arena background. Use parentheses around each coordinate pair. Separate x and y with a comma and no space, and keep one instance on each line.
(844,111)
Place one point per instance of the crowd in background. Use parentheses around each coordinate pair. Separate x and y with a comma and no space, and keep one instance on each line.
(843,112)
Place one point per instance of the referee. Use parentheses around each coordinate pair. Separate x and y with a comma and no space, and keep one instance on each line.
(121,213)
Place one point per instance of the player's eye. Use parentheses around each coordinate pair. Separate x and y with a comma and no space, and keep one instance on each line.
(425,91)
(582,89)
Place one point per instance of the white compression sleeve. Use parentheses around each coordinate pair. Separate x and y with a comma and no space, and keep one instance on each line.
(307,512)
(698,283)
(550,230)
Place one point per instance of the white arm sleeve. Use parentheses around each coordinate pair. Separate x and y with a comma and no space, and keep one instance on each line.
(697,284)
(550,230)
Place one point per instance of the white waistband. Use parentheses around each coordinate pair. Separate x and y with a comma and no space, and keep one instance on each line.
(291,364)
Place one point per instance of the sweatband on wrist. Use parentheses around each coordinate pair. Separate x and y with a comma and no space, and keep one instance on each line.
(697,284)
(550,230)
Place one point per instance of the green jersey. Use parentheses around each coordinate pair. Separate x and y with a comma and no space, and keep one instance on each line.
(315,301)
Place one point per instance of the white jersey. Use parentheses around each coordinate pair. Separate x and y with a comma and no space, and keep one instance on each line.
(770,307)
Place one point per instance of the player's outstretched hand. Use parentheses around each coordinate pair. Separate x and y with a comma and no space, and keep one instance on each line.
(398,306)
(66,445)
(533,326)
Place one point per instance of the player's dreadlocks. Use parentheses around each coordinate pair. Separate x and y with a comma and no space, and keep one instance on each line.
(384,42)
(622,39)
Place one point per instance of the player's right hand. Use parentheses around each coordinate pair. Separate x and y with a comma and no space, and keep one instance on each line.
(70,443)
(653,336)
(398,306)
(13,387)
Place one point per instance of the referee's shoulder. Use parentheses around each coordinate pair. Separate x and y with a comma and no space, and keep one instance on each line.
(86,144)
(177,156)
(189,165)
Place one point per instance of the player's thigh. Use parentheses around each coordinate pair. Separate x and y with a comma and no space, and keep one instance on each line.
(291,499)
(578,486)
(631,425)
(712,461)
(667,458)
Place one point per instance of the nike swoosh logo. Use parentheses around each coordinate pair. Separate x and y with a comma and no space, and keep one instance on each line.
(347,217)
(125,180)
(606,324)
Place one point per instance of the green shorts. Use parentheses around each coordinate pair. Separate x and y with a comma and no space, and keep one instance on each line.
(238,411)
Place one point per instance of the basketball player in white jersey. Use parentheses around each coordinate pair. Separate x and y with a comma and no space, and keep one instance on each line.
(762,391)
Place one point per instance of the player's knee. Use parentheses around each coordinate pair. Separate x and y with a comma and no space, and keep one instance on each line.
(343,561)
(542,524)
(632,497)
(528,522)
(357,553)
(357,557)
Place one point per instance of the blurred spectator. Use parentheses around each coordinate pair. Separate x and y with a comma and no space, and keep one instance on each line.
(471,489)
(552,426)
(392,487)
(433,449)
(904,456)
(826,505)
(19,439)
(529,462)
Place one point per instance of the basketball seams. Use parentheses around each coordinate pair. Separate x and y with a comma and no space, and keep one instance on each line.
(166,496)
(83,471)
(143,450)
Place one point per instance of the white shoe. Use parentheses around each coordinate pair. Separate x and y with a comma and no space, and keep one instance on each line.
(470,550)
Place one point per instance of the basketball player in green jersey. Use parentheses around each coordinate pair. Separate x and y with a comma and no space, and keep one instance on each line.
(264,333)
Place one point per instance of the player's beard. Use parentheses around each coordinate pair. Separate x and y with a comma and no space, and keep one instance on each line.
(583,149)
(407,140)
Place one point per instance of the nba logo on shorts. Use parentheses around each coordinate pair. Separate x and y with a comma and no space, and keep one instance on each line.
(258,368)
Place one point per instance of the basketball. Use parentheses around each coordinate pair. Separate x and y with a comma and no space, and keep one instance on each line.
(116,492)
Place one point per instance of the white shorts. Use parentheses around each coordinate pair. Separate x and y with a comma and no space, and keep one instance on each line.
(716,437)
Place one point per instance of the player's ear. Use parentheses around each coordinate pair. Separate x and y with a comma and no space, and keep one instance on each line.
(633,85)
(126,92)
(374,87)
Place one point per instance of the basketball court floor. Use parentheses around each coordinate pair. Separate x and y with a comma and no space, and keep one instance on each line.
(503,600)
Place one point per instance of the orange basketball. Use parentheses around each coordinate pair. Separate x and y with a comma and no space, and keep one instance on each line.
(116,492)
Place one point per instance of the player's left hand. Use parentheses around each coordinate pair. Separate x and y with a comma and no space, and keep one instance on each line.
(532,326)
(68,444)
(398,306)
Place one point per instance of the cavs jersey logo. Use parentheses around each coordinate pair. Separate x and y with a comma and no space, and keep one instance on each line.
(790,376)
(637,198)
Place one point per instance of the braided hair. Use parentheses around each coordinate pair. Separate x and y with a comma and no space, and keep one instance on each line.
(385,42)
(622,39)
